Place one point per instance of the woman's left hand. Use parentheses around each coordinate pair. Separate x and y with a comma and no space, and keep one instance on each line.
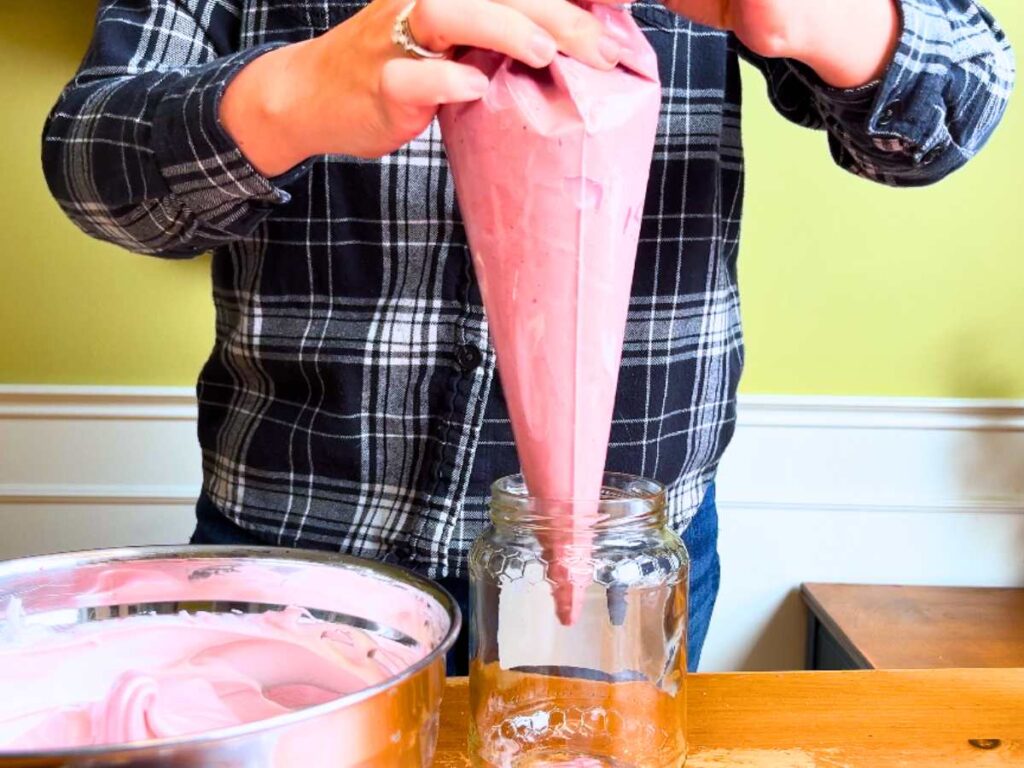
(848,42)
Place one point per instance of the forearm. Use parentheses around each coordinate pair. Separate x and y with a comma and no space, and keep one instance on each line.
(262,109)
(848,43)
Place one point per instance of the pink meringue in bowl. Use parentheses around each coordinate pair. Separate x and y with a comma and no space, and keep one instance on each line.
(226,656)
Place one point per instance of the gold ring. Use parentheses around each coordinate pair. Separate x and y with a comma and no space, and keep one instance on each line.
(401,35)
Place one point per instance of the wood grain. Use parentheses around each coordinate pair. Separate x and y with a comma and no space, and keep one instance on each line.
(890,627)
(870,719)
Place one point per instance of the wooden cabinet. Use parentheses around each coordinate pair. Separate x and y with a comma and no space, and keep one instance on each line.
(852,626)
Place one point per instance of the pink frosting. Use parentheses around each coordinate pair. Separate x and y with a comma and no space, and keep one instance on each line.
(149,677)
(354,592)
(551,171)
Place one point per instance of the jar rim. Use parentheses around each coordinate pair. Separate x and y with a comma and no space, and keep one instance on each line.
(616,488)
(625,499)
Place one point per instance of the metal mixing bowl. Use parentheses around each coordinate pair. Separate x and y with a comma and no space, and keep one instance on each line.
(391,725)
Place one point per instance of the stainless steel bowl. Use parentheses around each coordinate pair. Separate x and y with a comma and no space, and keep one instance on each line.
(390,725)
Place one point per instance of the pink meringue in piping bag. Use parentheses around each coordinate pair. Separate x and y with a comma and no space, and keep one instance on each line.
(551,170)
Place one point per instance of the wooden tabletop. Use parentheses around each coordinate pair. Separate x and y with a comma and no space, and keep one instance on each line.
(883,627)
(872,719)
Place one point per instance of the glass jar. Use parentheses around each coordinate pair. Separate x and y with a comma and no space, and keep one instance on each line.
(608,689)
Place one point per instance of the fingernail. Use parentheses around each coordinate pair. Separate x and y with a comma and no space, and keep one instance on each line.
(543,47)
(609,49)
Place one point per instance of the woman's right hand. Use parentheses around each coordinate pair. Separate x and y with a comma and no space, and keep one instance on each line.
(352,91)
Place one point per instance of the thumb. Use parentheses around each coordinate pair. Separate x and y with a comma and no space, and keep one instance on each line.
(430,83)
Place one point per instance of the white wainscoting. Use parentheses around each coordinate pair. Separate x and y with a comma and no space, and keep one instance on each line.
(861,490)
(84,467)
(813,489)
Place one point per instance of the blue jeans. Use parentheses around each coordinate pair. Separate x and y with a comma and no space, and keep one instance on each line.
(701,540)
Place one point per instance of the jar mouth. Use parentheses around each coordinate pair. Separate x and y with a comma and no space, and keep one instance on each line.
(624,499)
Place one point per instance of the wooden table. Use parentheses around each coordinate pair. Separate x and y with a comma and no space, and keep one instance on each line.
(854,626)
(932,719)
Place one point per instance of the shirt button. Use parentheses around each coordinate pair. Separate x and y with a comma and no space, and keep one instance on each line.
(468,356)
(888,115)
(932,155)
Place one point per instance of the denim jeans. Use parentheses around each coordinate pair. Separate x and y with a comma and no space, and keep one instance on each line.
(701,540)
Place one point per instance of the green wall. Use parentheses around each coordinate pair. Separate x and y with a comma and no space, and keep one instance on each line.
(73,310)
(852,288)
(848,288)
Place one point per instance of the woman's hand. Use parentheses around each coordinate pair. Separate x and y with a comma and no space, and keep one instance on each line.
(847,42)
(352,91)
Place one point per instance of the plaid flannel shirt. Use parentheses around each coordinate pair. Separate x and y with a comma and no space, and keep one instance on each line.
(351,401)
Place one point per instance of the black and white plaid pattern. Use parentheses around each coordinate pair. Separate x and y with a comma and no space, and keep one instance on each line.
(351,401)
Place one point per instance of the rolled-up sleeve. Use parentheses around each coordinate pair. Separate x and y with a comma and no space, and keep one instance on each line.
(134,151)
(936,106)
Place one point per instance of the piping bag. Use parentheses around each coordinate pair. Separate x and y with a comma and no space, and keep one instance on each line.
(550,171)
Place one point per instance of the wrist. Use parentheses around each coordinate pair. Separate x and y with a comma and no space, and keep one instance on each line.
(848,43)
(262,110)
